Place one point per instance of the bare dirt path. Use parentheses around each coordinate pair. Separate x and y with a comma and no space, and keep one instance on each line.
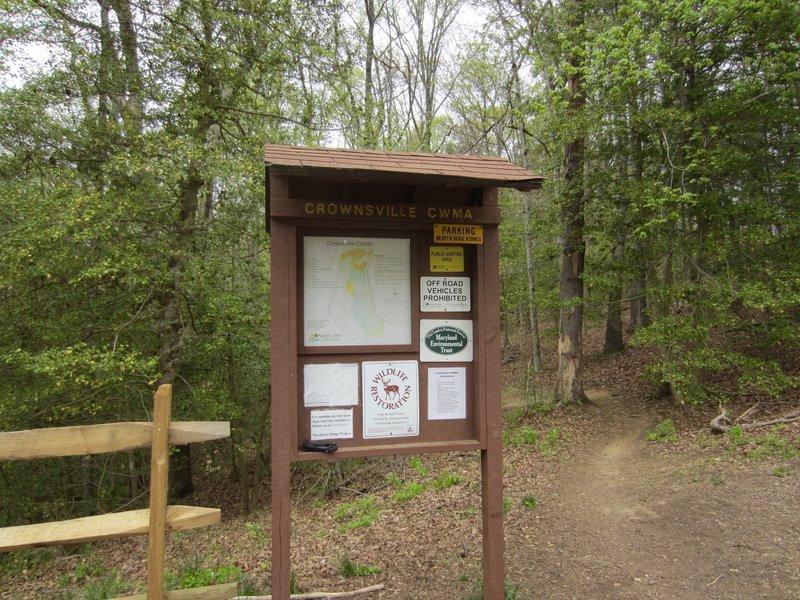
(625,518)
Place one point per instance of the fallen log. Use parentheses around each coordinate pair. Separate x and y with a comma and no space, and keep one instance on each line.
(320,595)
(722,423)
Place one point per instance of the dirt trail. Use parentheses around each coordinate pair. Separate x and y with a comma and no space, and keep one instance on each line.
(623,521)
(616,518)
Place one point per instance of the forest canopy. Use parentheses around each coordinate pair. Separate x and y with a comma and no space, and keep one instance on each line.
(132,242)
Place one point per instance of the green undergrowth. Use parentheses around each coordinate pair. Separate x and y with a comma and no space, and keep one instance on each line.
(357,514)
(107,585)
(517,434)
(665,432)
(778,443)
(510,591)
(350,568)
(414,478)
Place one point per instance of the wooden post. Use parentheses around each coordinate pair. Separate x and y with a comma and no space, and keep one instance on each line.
(284,414)
(159,476)
(492,456)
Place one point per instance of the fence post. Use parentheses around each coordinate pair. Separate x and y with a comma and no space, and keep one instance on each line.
(159,477)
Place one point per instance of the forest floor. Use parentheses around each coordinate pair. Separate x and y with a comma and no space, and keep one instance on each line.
(595,510)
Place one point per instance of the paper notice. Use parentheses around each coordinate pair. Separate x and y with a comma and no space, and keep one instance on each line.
(330,385)
(447,393)
(332,424)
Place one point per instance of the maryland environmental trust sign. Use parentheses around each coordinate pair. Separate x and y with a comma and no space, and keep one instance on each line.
(445,341)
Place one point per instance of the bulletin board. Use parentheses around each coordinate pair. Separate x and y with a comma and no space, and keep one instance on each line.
(387,343)
(385,318)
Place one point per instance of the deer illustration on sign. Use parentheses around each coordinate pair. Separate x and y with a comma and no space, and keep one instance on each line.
(391,390)
(395,385)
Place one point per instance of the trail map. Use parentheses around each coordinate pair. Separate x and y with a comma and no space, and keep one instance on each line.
(357,291)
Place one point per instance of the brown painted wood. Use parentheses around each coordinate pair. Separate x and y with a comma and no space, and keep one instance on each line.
(101,527)
(355,194)
(284,385)
(382,212)
(398,167)
(396,449)
(492,456)
(81,440)
(159,474)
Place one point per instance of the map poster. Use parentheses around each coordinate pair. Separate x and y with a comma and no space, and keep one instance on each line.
(391,398)
(330,385)
(356,291)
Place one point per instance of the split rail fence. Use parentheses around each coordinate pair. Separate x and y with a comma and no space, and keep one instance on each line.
(154,522)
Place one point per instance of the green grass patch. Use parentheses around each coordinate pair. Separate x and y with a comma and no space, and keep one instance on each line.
(349,568)
(529,501)
(419,467)
(357,514)
(781,471)
(446,479)
(405,490)
(110,585)
(510,592)
(193,573)
(552,442)
(521,435)
(664,432)
(774,444)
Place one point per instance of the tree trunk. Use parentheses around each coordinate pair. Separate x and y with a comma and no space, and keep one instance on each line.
(614,341)
(569,381)
(532,311)
(370,134)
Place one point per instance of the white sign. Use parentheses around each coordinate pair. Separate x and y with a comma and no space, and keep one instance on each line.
(447,393)
(445,340)
(330,385)
(356,291)
(391,398)
(332,424)
(444,294)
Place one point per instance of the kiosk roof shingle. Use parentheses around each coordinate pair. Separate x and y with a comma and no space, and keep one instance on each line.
(436,168)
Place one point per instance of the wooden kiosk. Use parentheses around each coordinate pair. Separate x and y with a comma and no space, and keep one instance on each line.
(385,317)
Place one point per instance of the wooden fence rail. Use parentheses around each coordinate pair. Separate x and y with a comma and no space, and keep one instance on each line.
(153,522)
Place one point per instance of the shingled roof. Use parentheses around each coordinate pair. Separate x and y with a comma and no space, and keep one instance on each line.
(445,169)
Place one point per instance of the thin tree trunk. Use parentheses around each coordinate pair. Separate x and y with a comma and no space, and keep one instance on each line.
(370,136)
(614,341)
(532,310)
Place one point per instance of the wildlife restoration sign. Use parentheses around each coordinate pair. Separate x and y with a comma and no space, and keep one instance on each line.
(445,341)
(391,399)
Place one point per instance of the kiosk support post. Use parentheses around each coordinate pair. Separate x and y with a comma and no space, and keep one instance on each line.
(283,415)
(492,456)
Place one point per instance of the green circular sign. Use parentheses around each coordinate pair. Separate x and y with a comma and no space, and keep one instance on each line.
(446,340)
